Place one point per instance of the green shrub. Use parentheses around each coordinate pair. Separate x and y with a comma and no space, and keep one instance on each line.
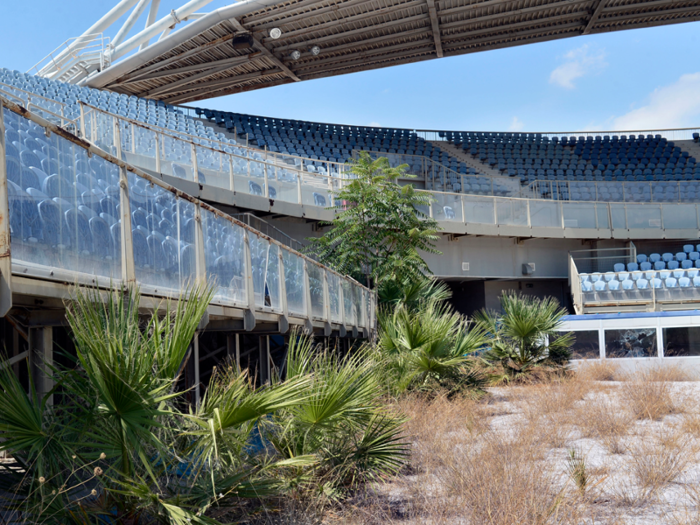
(341,420)
(116,447)
(526,336)
(428,348)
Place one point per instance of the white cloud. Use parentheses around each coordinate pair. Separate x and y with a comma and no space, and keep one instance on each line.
(516,124)
(578,63)
(674,106)
(375,124)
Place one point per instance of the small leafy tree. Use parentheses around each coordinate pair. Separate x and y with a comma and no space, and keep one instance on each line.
(380,230)
(526,335)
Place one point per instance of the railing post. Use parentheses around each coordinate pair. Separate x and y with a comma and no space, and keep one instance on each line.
(201,265)
(529,219)
(83,134)
(299,188)
(249,317)
(309,326)
(158,166)
(284,318)
(230,172)
(133,138)
(561,214)
(5,244)
(195,168)
(128,271)
(341,299)
(267,186)
(326,305)
(93,130)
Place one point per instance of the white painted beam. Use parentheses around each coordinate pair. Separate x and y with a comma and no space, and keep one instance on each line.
(129,24)
(152,14)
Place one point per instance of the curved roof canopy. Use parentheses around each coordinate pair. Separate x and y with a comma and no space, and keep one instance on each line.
(199,61)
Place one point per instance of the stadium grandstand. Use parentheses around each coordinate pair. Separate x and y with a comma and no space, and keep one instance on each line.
(111,180)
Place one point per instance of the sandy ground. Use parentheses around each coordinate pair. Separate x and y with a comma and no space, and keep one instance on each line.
(499,459)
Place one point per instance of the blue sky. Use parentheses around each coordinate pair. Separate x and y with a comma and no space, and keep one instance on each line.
(640,79)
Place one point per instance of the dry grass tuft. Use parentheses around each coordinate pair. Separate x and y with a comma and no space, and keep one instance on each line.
(670,373)
(555,397)
(660,459)
(605,420)
(691,424)
(647,397)
(501,483)
(602,370)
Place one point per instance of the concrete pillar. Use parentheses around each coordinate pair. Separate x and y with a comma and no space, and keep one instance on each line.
(41,358)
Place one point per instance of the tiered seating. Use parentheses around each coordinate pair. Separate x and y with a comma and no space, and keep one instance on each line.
(332,142)
(667,274)
(533,157)
(151,112)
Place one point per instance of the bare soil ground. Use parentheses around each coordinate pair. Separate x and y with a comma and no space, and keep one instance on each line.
(600,448)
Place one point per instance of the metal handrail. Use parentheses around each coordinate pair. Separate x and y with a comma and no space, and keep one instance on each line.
(439,134)
(536,186)
(177,135)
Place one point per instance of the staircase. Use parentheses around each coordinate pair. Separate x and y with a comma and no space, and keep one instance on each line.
(463,156)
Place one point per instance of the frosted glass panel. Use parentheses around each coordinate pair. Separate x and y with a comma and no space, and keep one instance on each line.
(294,283)
(163,236)
(223,255)
(63,205)
(316,290)
(334,297)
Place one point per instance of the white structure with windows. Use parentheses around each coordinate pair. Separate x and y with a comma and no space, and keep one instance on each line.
(637,338)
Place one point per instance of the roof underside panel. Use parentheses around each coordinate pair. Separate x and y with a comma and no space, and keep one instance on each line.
(358,35)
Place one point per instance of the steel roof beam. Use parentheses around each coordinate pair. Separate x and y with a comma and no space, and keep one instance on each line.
(174,59)
(353,32)
(172,86)
(594,17)
(510,14)
(316,28)
(493,31)
(235,61)
(332,61)
(265,51)
(130,21)
(434,23)
(229,82)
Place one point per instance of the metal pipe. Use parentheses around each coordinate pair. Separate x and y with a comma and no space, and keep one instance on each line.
(98,27)
(173,18)
(133,17)
(152,13)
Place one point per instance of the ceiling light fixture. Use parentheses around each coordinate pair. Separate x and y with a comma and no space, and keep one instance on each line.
(275,33)
(295,55)
(315,51)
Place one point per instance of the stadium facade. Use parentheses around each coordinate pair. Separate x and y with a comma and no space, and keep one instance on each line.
(107,181)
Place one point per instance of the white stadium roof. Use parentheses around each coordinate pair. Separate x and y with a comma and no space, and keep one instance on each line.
(199,61)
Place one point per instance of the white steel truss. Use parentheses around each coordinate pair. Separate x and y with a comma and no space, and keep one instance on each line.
(79,57)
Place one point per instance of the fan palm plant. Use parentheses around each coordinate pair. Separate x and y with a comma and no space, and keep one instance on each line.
(427,347)
(342,421)
(527,335)
(412,292)
(115,447)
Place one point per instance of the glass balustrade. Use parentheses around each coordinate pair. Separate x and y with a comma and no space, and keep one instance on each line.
(76,216)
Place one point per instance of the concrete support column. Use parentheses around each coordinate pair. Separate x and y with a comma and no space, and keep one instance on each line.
(41,359)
